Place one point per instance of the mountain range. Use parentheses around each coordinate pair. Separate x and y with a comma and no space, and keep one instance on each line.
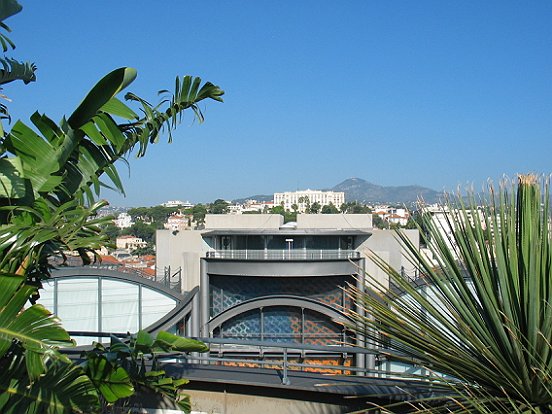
(357,189)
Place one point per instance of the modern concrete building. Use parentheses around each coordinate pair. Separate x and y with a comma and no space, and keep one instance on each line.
(261,279)
(269,298)
(305,198)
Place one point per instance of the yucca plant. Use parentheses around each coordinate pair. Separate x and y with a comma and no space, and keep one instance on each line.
(479,318)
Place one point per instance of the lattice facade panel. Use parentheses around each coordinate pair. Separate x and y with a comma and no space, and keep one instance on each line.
(228,291)
(279,323)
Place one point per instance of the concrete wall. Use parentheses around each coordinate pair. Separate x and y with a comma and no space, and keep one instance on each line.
(385,244)
(181,250)
(207,402)
(334,221)
(243,221)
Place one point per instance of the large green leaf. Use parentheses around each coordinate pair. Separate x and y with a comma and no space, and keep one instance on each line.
(45,228)
(62,388)
(100,95)
(185,96)
(69,160)
(115,107)
(9,8)
(170,342)
(34,376)
(111,380)
(113,368)
(13,70)
(12,181)
(35,327)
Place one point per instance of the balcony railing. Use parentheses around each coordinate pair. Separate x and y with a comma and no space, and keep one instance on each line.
(284,254)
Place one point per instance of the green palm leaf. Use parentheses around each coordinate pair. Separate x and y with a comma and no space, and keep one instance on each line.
(44,229)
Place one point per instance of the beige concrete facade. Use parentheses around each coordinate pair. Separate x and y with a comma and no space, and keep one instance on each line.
(245,221)
(306,198)
(184,249)
(334,221)
(207,402)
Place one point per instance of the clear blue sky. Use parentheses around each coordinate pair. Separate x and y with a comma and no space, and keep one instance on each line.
(435,93)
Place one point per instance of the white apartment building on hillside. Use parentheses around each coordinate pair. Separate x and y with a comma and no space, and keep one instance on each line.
(123,221)
(177,203)
(307,197)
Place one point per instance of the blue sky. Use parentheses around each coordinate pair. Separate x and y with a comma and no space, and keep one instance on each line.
(434,93)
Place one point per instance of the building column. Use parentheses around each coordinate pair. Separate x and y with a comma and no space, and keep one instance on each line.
(204,298)
(362,359)
(194,318)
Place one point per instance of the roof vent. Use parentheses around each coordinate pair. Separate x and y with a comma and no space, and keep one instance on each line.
(289,225)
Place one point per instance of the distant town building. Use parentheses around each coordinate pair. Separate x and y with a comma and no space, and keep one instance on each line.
(177,222)
(123,221)
(234,209)
(254,205)
(177,203)
(304,198)
(393,215)
(250,206)
(130,243)
(441,216)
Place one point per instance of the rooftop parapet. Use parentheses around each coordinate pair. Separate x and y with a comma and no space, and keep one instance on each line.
(334,221)
(243,221)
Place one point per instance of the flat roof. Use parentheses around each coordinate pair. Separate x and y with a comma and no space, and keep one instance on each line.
(287,232)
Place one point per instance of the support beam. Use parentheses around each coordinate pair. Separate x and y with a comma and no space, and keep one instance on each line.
(361,361)
(204,298)
(194,318)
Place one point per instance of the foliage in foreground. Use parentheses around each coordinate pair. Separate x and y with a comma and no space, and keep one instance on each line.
(50,178)
(483,323)
(124,368)
(34,376)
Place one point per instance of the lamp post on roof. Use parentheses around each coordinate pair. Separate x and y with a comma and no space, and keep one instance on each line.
(289,245)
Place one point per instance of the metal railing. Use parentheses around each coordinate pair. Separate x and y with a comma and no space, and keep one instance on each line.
(283,254)
(118,267)
(170,278)
(283,356)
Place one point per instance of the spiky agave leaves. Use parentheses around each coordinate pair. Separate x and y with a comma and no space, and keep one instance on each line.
(480,318)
